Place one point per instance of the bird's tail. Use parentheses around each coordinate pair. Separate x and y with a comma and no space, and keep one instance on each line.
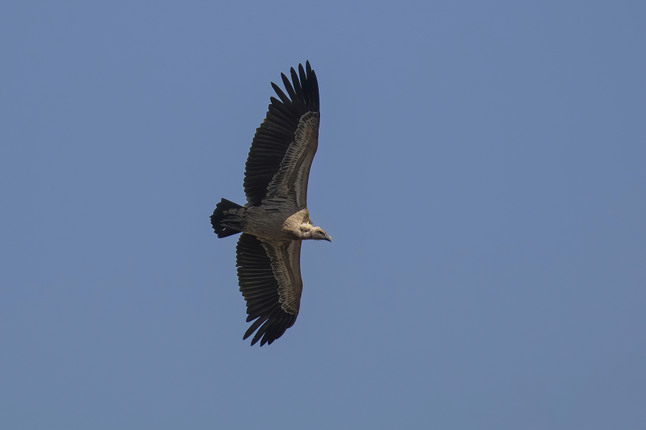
(225,223)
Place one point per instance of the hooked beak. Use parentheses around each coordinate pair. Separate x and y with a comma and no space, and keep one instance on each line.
(328,238)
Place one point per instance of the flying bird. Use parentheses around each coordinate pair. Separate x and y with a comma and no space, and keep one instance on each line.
(275,219)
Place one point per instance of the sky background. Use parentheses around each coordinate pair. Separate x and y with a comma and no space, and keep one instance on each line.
(481,170)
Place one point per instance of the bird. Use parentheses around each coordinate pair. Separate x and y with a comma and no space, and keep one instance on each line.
(275,220)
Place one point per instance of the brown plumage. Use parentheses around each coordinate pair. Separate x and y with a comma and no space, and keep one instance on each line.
(275,218)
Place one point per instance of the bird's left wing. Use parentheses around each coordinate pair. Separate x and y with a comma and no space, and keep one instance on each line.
(269,274)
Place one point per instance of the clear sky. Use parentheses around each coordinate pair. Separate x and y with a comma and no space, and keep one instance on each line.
(481,170)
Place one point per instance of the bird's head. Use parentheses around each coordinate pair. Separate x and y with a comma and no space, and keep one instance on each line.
(316,233)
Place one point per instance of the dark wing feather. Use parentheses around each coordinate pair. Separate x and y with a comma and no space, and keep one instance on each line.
(261,287)
(276,132)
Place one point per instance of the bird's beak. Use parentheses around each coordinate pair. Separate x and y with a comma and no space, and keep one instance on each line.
(328,238)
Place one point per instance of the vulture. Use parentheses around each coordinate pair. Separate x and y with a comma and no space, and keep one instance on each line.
(275,219)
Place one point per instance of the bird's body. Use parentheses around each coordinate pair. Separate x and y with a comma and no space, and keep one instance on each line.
(275,218)
(268,222)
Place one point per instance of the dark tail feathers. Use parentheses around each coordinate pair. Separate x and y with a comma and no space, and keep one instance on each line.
(219,216)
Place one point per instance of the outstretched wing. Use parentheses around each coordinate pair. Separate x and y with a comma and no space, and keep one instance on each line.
(269,274)
(282,150)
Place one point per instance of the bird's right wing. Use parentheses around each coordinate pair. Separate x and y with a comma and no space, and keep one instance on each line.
(285,142)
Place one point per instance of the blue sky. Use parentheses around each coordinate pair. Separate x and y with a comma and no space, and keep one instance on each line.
(480,169)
